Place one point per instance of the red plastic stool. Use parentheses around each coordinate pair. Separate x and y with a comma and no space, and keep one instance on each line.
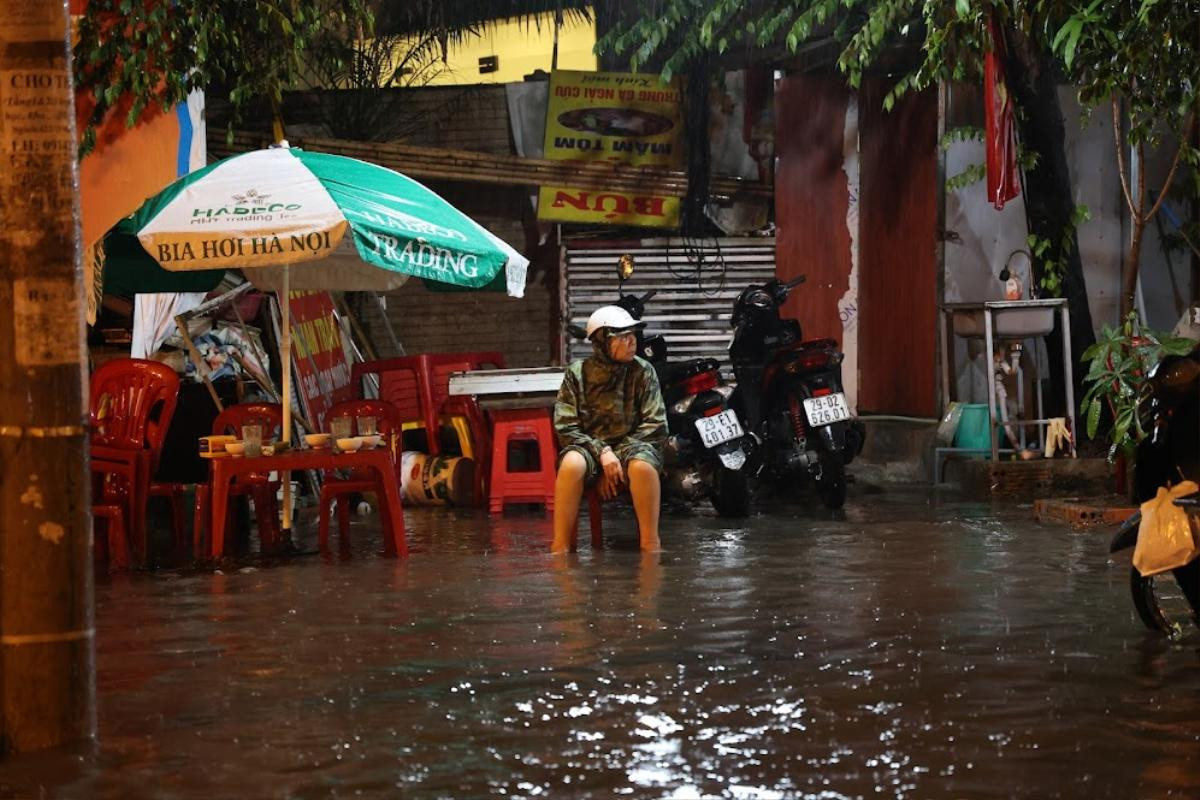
(529,486)
(595,518)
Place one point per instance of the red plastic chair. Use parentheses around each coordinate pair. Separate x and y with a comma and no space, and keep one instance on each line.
(258,485)
(419,388)
(334,489)
(113,517)
(131,405)
(442,366)
(404,384)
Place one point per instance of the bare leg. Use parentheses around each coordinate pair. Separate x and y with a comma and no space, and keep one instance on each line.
(646,492)
(568,488)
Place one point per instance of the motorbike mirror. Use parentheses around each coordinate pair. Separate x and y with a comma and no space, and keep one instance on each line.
(576,331)
(625,267)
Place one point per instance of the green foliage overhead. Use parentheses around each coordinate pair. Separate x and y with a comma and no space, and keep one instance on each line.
(151,52)
(1146,50)
(676,31)
(146,52)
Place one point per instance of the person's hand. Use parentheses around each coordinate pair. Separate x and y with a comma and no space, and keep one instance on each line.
(613,475)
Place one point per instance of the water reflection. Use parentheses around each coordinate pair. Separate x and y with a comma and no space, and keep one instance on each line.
(908,650)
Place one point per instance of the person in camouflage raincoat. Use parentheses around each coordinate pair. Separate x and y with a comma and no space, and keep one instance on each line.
(611,424)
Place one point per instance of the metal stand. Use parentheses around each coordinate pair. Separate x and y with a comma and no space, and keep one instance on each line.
(989,328)
(986,314)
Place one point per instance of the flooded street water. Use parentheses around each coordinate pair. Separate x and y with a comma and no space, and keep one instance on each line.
(914,646)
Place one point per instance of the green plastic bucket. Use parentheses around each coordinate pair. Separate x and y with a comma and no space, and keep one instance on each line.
(972,430)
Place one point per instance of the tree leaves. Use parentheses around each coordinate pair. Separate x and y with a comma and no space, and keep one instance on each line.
(1093,417)
(1119,365)
(157,52)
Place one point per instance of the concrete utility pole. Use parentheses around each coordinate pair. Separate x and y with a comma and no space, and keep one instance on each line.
(47,649)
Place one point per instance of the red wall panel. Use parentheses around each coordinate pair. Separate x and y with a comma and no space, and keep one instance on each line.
(811,198)
(898,253)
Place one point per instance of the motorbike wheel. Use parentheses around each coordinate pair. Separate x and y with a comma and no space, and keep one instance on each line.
(731,493)
(831,485)
(1163,604)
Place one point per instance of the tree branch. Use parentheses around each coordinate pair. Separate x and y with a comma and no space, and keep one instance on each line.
(1183,142)
(1141,187)
(1116,116)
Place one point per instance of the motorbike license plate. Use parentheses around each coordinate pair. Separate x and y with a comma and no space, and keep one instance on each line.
(826,410)
(719,428)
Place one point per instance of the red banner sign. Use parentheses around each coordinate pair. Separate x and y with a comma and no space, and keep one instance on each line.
(1003,181)
(322,374)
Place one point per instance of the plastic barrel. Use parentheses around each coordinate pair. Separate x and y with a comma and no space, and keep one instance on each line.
(973,427)
(436,480)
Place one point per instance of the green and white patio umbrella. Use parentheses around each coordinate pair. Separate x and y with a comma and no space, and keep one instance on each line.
(300,220)
(352,225)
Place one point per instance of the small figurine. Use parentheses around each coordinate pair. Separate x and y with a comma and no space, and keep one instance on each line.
(1012,284)
(1012,288)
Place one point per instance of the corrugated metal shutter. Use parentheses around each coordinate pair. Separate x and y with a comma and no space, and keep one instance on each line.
(697,281)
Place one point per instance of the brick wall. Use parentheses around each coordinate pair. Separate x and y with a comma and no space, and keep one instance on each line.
(473,118)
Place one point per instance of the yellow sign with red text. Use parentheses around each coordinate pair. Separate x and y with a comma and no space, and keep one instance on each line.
(612,116)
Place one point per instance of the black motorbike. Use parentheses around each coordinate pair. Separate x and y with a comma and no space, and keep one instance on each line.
(707,449)
(1169,453)
(789,392)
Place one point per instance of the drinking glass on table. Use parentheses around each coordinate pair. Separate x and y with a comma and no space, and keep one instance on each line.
(339,428)
(252,440)
(366,426)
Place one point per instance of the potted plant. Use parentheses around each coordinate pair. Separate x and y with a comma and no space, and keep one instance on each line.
(1118,365)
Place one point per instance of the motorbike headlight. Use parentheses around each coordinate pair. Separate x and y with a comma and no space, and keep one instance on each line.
(682,406)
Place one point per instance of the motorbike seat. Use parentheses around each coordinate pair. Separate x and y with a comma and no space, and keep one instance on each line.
(653,348)
(676,371)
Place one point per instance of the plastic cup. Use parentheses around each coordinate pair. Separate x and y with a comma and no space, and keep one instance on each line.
(252,439)
(340,428)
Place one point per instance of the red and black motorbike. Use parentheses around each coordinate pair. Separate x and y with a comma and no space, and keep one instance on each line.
(1170,413)
(790,395)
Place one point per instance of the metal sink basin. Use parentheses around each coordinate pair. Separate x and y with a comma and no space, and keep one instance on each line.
(1011,319)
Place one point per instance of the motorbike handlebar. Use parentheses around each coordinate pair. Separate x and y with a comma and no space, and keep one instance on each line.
(792,284)
(646,297)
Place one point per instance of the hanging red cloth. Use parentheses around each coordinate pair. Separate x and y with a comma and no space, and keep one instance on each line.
(1003,182)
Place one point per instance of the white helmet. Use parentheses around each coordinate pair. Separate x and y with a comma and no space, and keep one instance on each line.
(611,317)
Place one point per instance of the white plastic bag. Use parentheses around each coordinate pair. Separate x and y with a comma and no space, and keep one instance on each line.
(949,424)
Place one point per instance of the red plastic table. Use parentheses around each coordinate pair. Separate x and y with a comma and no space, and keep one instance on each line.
(379,459)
